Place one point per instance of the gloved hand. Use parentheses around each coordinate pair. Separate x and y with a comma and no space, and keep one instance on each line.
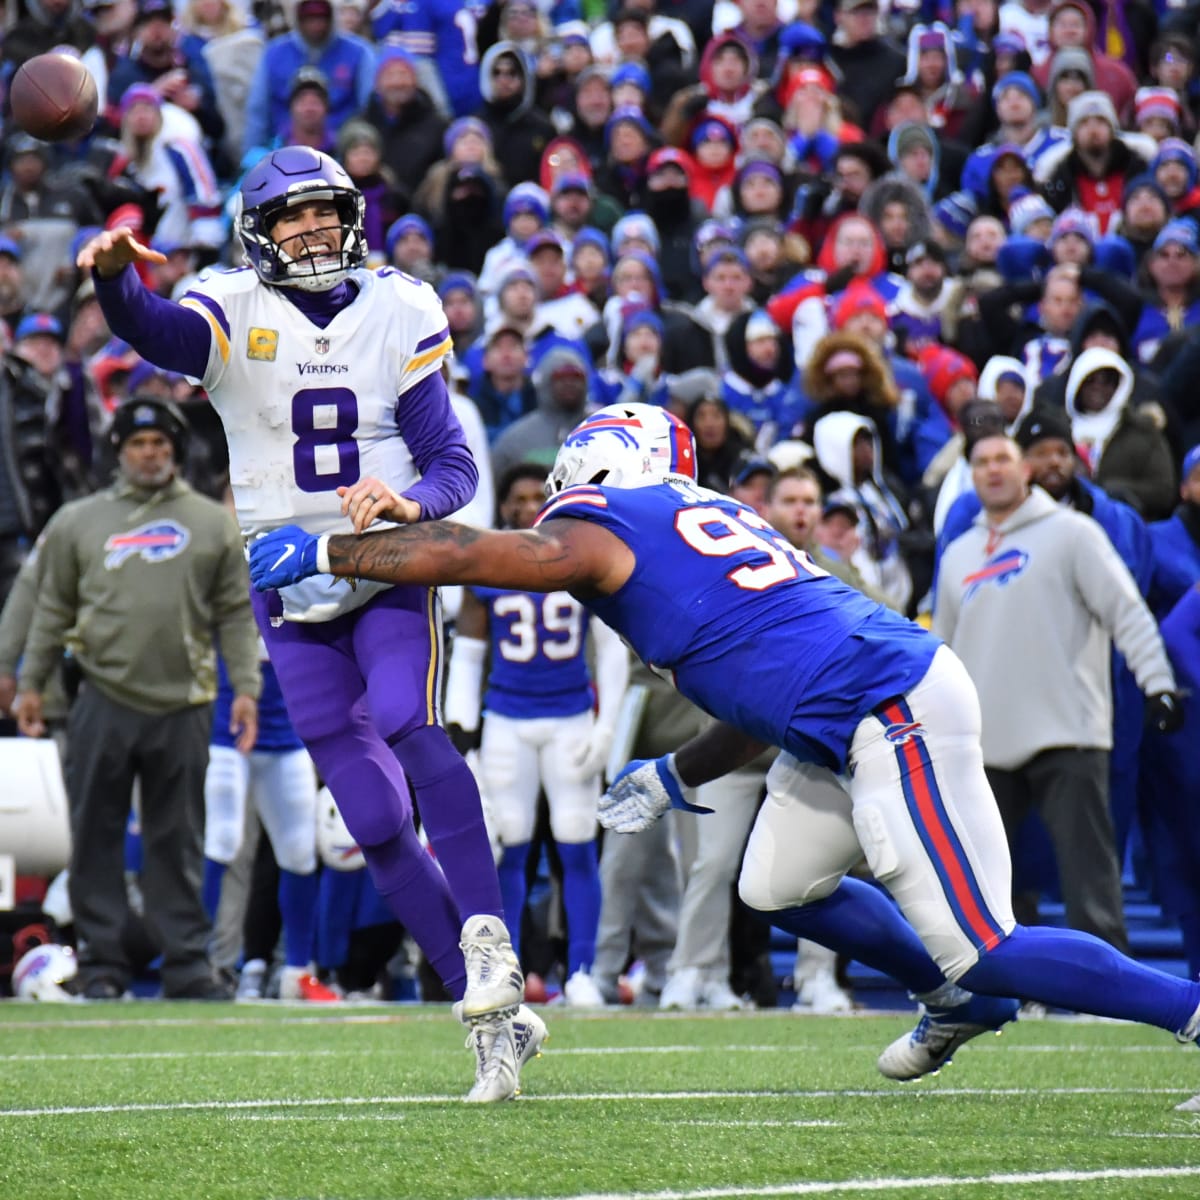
(1164,710)
(464,740)
(282,557)
(591,755)
(641,793)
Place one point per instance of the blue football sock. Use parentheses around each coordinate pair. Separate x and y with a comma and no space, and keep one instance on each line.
(581,899)
(1079,972)
(210,893)
(298,909)
(858,920)
(513,890)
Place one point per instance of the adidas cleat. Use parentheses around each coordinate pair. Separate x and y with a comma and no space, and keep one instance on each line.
(492,1039)
(529,1035)
(495,984)
(939,1034)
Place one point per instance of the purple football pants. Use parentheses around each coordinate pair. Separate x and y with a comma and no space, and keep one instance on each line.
(362,693)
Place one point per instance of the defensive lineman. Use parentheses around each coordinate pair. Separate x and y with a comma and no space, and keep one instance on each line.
(327,380)
(786,655)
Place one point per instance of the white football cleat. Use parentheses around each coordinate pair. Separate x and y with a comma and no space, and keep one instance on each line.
(529,1035)
(492,1040)
(494,980)
(253,980)
(1191,1031)
(940,1032)
(682,990)
(580,991)
(820,993)
(717,995)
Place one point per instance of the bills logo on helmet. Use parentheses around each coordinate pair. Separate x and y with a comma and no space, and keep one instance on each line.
(999,569)
(155,542)
(42,971)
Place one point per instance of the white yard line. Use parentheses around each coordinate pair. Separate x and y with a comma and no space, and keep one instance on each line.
(896,1184)
(235,1106)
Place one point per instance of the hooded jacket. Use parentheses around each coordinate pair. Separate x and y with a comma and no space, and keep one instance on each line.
(881,514)
(520,132)
(1111,76)
(1126,451)
(1031,607)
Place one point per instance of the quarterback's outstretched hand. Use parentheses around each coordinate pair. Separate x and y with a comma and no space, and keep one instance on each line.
(641,793)
(282,557)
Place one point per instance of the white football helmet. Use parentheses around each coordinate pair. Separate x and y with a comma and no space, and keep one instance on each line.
(336,847)
(42,971)
(624,446)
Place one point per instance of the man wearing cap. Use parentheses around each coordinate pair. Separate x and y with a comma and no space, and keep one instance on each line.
(1031,598)
(726,295)
(1092,170)
(501,387)
(157,58)
(916,317)
(307,121)
(347,61)
(409,123)
(869,63)
(1174,300)
(39,28)
(569,313)
(138,582)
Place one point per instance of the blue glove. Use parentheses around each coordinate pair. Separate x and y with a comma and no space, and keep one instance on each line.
(641,793)
(282,557)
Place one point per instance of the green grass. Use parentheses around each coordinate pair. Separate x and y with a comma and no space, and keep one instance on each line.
(203,1101)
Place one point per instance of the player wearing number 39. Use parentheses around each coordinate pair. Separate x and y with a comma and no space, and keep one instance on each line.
(327,380)
(784,654)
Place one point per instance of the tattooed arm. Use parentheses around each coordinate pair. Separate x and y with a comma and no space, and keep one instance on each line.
(565,554)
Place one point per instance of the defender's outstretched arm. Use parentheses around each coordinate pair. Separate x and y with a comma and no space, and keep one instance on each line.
(564,554)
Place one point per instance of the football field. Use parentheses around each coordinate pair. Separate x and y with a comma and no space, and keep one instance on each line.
(223,1102)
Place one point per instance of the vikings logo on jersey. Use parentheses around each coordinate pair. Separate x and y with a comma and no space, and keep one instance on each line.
(999,569)
(155,542)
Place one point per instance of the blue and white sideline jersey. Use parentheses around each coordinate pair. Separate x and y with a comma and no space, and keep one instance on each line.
(538,666)
(715,584)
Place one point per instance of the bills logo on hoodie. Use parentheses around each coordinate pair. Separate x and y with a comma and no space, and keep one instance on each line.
(999,569)
(156,542)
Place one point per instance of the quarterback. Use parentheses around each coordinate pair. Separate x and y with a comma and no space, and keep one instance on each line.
(326,377)
(783,654)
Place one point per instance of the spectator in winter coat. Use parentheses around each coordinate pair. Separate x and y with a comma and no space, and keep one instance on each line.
(1092,171)
(1073,26)
(1173,270)
(409,124)
(347,62)
(869,63)
(1124,449)
(520,132)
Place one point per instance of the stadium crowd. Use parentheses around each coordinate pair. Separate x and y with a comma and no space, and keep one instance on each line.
(846,241)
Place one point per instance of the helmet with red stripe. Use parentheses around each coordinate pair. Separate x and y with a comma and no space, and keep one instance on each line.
(624,446)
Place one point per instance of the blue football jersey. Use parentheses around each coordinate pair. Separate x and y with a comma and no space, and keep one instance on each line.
(538,668)
(445,31)
(745,625)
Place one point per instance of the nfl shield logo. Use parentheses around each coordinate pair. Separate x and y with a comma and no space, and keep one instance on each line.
(322,345)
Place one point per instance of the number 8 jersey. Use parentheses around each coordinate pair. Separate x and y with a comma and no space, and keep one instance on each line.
(746,625)
(307,410)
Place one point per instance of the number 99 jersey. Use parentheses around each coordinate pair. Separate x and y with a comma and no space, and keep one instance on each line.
(538,667)
(308,410)
(744,623)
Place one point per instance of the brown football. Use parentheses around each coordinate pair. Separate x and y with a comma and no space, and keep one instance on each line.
(53,97)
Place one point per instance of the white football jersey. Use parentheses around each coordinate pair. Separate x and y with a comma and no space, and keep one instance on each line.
(308,410)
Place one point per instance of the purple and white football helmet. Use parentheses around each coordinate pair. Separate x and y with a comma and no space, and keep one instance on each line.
(296,175)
